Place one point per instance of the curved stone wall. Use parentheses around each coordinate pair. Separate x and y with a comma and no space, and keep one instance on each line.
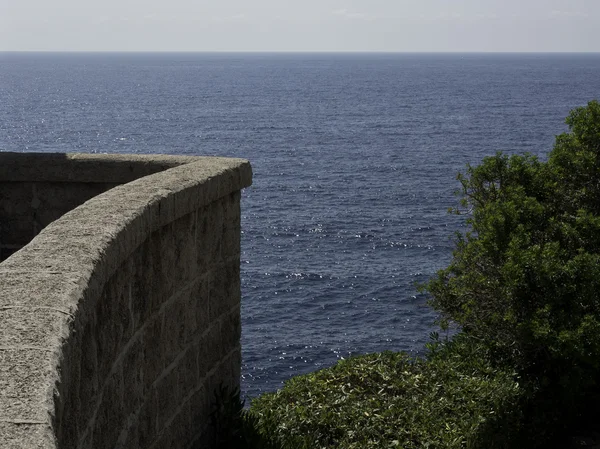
(121,318)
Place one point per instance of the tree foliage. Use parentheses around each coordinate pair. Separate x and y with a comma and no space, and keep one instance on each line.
(525,280)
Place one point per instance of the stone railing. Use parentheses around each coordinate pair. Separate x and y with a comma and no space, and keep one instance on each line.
(120,303)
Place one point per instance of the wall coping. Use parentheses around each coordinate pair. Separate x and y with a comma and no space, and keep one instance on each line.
(89,168)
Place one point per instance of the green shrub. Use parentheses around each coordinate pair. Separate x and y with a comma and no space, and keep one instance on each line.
(233,426)
(389,400)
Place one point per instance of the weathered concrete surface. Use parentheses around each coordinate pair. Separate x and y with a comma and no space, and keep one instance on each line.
(85,168)
(38,188)
(120,319)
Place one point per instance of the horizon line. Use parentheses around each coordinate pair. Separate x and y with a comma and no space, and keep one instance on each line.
(302,51)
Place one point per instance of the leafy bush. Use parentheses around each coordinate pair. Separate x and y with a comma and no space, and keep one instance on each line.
(389,400)
(233,426)
(525,281)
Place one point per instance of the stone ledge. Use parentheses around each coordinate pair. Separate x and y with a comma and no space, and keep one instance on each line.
(75,167)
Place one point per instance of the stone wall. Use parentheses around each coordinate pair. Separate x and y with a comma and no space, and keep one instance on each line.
(38,188)
(121,318)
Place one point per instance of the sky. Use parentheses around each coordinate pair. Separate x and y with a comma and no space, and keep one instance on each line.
(301,25)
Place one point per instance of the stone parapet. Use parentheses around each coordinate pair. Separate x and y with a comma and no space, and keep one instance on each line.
(120,318)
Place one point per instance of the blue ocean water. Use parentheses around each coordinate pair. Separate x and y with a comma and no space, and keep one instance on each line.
(354,158)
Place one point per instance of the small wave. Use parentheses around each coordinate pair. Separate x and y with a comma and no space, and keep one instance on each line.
(309,276)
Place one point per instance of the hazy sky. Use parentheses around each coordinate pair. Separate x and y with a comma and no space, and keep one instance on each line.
(302,25)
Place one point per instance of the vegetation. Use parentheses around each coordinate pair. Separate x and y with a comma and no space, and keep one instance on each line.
(525,281)
(389,400)
(524,370)
(234,427)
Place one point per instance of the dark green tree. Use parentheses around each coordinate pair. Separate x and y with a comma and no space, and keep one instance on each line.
(525,279)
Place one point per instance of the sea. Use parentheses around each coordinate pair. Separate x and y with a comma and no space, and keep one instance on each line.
(355,158)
